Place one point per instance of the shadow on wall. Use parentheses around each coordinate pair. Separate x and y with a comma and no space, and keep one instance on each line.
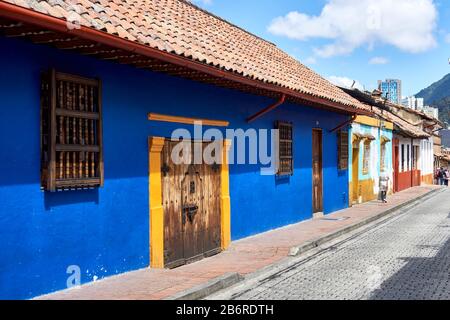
(63,198)
(279,180)
(420,278)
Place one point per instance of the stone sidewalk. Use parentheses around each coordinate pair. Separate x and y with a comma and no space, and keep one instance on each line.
(244,256)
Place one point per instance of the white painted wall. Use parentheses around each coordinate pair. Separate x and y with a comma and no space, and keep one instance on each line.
(426,159)
(407,163)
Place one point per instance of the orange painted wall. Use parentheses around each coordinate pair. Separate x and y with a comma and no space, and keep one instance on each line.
(427,179)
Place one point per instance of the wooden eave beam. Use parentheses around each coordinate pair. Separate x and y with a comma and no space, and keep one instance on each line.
(14,12)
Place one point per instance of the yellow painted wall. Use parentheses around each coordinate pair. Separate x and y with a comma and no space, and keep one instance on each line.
(225,208)
(156,145)
(365,191)
(373,122)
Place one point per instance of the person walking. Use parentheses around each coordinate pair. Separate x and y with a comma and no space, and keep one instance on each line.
(384,186)
(440,176)
(436,176)
(446,175)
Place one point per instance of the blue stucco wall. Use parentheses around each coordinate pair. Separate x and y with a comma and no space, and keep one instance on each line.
(105,231)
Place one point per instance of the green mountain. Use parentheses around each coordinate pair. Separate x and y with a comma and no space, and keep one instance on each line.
(438,95)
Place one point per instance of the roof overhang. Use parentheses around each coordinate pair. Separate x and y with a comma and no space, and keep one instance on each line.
(88,40)
(363,136)
(408,134)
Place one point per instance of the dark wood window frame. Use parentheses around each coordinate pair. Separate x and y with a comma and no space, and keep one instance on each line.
(343,147)
(285,152)
(71,132)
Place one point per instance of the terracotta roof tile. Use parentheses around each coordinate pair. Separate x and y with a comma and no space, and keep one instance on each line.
(179,27)
(403,125)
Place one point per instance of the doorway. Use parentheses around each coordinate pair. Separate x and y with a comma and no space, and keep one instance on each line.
(191,205)
(396,164)
(317,171)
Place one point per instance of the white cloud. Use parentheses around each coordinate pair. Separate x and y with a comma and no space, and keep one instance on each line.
(345,82)
(406,24)
(378,60)
(447,38)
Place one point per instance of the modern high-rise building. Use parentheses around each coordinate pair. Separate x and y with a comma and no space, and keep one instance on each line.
(391,89)
(413,103)
(432,112)
(418,104)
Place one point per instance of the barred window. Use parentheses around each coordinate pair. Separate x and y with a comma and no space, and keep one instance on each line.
(285,162)
(366,156)
(383,157)
(343,150)
(71,132)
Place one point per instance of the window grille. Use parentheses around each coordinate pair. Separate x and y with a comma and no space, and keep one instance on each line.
(71,132)
(343,150)
(286,160)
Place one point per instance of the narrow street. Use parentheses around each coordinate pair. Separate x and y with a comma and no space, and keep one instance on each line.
(406,257)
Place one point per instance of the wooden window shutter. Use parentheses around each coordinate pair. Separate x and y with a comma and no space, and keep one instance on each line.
(343,150)
(286,157)
(71,132)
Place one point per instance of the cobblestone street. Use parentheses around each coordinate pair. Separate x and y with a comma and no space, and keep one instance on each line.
(406,257)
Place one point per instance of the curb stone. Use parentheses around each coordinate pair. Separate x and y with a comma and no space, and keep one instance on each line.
(300,249)
(203,290)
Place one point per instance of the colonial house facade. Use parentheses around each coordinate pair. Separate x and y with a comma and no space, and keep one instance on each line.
(421,159)
(370,156)
(95,101)
(406,133)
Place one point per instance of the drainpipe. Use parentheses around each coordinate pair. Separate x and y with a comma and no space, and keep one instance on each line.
(345,123)
(268,109)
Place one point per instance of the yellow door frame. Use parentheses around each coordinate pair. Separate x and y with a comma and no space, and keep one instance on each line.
(156,229)
(355,175)
(356,140)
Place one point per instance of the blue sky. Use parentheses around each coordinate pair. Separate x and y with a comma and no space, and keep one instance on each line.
(362,40)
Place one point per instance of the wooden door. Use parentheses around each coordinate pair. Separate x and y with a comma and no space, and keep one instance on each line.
(355,175)
(192,214)
(317,171)
(396,164)
(191,202)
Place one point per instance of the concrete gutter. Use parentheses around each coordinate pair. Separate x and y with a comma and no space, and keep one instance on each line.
(230,279)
